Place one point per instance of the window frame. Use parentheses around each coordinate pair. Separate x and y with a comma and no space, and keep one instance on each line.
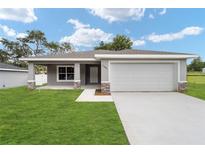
(57,73)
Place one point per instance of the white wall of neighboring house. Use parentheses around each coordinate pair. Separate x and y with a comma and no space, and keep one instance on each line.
(203,70)
(10,79)
(40,79)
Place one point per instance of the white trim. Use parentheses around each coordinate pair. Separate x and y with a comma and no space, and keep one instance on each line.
(57,79)
(144,56)
(57,59)
(14,70)
(76,80)
(105,82)
(182,81)
(153,61)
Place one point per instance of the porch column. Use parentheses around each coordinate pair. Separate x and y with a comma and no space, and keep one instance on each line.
(31,76)
(77,75)
(105,84)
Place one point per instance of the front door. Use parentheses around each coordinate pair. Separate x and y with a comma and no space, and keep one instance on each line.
(92,74)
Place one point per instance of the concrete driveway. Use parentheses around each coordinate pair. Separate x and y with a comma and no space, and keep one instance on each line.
(161,118)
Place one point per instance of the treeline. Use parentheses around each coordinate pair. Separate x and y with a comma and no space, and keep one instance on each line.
(196,65)
(32,44)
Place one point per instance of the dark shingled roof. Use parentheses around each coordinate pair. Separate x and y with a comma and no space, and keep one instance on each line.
(90,54)
(7,66)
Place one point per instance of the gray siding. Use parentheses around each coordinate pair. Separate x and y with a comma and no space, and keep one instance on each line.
(183,70)
(104,72)
(13,79)
(52,76)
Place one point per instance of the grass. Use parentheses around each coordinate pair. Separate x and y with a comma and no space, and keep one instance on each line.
(195,73)
(196,85)
(53,117)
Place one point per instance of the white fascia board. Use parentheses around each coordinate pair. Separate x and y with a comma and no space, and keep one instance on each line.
(145,56)
(14,70)
(57,59)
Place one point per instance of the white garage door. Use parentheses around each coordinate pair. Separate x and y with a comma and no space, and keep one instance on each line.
(142,77)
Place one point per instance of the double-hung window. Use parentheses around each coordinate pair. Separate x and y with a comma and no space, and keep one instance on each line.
(65,73)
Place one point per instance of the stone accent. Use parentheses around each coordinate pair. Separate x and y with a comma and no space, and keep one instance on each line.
(105,88)
(77,85)
(31,85)
(182,86)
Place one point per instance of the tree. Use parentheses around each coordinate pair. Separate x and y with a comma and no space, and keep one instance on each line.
(196,65)
(37,39)
(104,46)
(119,42)
(55,47)
(4,56)
(12,51)
(66,47)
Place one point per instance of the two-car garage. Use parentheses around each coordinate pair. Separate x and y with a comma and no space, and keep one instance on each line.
(143,76)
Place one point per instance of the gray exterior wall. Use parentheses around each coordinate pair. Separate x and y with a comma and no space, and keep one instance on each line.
(52,76)
(10,79)
(183,70)
(104,71)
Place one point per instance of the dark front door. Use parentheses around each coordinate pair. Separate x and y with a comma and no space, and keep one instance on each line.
(92,74)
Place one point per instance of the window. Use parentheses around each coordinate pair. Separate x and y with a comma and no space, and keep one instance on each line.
(65,73)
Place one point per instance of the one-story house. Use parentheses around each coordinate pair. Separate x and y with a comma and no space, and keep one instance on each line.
(125,70)
(12,76)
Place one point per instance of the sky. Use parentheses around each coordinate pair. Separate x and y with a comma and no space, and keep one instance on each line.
(178,30)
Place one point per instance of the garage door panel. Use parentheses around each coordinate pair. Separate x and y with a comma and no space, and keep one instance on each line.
(142,77)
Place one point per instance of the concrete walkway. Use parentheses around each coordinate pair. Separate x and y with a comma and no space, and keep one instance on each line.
(88,95)
(161,118)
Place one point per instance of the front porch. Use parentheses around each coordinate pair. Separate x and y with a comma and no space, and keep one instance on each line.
(68,75)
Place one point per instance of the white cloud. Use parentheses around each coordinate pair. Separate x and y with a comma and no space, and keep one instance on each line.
(163,12)
(8,31)
(21,35)
(151,16)
(139,42)
(85,36)
(77,24)
(113,15)
(25,15)
(188,31)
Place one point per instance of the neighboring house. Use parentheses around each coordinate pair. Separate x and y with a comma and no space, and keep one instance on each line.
(12,76)
(125,70)
(203,70)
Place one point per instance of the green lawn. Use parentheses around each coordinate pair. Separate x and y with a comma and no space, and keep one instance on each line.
(196,85)
(53,117)
(195,73)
